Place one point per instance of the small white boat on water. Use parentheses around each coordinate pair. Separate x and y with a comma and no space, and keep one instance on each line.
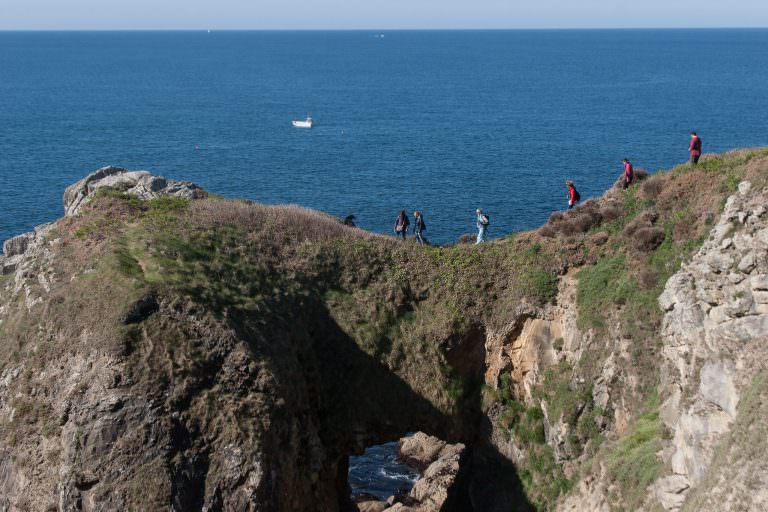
(306,123)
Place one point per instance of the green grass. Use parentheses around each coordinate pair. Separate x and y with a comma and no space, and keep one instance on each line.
(601,287)
(543,478)
(609,284)
(633,463)
(110,193)
(556,391)
(127,265)
(540,284)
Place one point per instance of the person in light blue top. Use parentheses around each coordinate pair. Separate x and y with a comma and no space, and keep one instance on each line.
(482,226)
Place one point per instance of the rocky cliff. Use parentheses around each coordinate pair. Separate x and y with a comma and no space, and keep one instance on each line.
(160,349)
(715,335)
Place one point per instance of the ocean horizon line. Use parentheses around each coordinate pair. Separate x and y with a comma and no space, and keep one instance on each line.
(380,30)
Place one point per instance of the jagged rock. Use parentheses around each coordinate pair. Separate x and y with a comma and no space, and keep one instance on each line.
(717,386)
(677,287)
(719,262)
(670,491)
(744,188)
(400,507)
(372,506)
(435,490)
(592,495)
(432,490)
(419,450)
(747,263)
(715,329)
(184,406)
(17,245)
(759,282)
(142,184)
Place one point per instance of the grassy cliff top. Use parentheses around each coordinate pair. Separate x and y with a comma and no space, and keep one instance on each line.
(371,309)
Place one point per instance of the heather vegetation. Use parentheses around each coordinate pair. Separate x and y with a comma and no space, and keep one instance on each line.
(624,246)
(403,303)
(422,313)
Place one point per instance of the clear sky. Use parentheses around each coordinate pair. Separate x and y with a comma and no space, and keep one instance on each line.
(377,14)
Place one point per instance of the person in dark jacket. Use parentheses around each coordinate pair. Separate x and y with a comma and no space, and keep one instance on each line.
(573,194)
(694,148)
(419,226)
(401,224)
(629,173)
(349,220)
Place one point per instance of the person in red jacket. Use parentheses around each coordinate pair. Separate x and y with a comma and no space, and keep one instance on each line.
(629,173)
(573,194)
(695,148)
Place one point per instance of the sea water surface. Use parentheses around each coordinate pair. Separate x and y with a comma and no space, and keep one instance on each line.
(443,122)
(440,121)
(377,472)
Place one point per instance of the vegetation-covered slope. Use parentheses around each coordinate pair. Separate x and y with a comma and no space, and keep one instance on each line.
(231,355)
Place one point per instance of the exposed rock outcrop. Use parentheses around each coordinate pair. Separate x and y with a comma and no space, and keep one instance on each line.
(15,249)
(715,343)
(442,468)
(118,395)
(419,450)
(141,184)
(437,488)
(223,355)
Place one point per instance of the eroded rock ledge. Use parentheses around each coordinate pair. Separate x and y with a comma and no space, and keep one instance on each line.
(227,414)
(141,184)
(442,466)
(716,344)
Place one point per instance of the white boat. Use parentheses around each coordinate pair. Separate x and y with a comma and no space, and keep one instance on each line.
(306,123)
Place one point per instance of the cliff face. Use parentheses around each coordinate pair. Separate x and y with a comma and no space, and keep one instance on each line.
(685,435)
(189,354)
(714,369)
(159,348)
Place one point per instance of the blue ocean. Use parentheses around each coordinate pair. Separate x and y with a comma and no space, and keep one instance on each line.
(440,121)
(377,473)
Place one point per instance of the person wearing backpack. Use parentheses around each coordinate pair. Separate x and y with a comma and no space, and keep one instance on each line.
(418,226)
(573,194)
(401,224)
(629,173)
(695,149)
(482,225)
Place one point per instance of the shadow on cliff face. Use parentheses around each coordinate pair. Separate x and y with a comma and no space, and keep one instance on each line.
(493,483)
(359,401)
(295,396)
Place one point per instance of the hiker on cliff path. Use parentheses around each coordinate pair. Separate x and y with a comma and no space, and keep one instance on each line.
(482,225)
(573,194)
(629,173)
(418,226)
(401,224)
(695,148)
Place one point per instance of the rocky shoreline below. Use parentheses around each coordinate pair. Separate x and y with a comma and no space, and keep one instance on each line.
(441,467)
